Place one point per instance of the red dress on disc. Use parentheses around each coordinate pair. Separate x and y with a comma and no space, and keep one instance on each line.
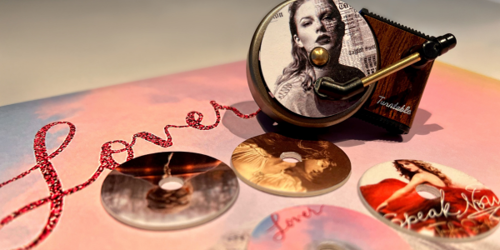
(458,213)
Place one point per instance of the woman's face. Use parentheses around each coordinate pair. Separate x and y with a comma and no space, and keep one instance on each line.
(409,166)
(314,174)
(317,22)
(315,167)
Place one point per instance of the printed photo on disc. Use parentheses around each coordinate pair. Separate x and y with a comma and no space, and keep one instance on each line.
(285,166)
(323,227)
(288,41)
(169,190)
(429,199)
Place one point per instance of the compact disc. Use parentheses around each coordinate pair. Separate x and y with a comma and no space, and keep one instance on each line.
(169,190)
(281,67)
(323,227)
(430,200)
(285,166)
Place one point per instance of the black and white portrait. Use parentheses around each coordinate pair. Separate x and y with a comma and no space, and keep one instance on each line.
(290,37)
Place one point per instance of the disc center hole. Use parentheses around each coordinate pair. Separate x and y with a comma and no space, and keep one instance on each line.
(428,192)
(291,157)
(329,246)
(171,183)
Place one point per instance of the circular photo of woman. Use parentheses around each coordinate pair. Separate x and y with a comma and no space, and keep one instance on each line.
(294,32)
(285,166)
(169,190)
(430,200)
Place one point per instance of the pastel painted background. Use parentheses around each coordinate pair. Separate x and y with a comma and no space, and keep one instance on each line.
(456,125)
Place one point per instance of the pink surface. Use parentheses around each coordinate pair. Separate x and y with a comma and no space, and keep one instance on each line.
(456,125)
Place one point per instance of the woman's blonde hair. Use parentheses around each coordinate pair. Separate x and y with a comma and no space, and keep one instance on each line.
(301,68)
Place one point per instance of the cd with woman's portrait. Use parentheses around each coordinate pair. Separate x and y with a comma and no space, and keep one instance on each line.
(429,199)
(285,166)
(169,190)
(294,32)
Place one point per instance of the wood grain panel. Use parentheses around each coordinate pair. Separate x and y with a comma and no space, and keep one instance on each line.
(402,88)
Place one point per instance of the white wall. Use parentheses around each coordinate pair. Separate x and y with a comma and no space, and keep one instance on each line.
(53,47)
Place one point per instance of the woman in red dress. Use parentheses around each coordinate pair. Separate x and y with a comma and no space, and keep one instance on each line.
(458,211)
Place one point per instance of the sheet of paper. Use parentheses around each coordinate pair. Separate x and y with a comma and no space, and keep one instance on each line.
(456,125)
